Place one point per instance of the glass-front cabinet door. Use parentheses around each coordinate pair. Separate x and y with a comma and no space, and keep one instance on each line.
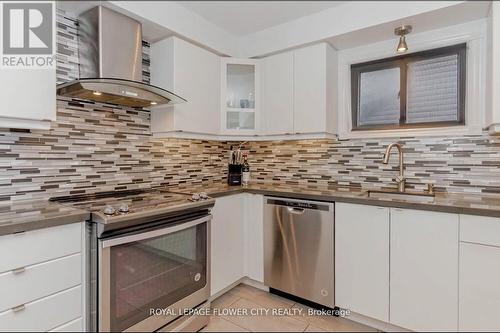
(240,96)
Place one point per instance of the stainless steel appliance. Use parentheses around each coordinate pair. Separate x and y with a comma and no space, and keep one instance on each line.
(110,57)
(299,248)
(150,259)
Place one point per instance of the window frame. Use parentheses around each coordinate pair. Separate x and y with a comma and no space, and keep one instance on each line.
(401,62)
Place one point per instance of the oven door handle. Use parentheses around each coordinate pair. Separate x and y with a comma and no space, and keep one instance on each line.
(154,233)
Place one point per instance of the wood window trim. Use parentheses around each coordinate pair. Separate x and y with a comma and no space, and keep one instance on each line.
(401,62)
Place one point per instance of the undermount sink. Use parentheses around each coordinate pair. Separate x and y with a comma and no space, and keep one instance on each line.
(404,196)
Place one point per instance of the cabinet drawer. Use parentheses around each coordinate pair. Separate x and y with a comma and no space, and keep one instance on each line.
(480,229)
(39,280)
(46,313)
(73,326)
(37,246)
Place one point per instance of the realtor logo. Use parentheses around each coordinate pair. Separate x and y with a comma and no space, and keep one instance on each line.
(28,33)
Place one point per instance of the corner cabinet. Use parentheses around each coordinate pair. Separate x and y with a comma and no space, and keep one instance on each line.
(240,95)
(237,241)
(227,242)
(192,73)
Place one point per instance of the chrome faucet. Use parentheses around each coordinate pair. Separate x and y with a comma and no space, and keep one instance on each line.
(400,179)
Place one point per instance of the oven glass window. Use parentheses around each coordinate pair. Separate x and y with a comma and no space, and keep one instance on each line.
(155,273)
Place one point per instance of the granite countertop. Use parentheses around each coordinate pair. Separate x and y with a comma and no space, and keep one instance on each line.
(24,216)
(30,215)
(460,203)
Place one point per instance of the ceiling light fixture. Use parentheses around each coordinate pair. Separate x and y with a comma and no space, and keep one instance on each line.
(97,93)
(402,31)
(153,103)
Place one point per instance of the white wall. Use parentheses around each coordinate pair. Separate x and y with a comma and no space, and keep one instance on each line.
(345,22)
(332,22)
(183,22)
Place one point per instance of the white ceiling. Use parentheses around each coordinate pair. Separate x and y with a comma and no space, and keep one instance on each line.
(244,17)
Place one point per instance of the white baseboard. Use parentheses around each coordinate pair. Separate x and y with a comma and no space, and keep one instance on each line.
(255,284)
(244,280)
(377,324)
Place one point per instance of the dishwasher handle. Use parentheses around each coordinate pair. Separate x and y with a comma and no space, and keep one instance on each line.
(298,207)
(295,210)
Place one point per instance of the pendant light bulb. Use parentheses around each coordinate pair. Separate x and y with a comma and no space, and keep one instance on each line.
(402,31)
(402,46)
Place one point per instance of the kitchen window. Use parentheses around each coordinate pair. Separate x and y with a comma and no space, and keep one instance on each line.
(423,89)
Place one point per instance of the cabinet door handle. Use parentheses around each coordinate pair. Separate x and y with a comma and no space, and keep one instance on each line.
(19,308)
(19,270)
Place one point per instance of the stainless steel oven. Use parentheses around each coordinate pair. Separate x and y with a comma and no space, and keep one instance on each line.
(146,277)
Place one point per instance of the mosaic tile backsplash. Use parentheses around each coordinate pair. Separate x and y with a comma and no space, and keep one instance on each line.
(453,164)
(95,147)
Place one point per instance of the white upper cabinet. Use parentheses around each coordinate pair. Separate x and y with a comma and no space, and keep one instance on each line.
(299,92)
(277,94)
(28,98)
(315,90)
(424,270)
(192,73)
(240,95)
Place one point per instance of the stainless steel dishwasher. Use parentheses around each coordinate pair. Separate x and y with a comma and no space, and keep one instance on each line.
(299,248)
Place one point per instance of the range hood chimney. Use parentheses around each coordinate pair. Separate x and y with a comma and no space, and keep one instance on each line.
(110,56)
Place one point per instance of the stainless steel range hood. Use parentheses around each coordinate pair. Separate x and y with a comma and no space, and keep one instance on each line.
(110,56)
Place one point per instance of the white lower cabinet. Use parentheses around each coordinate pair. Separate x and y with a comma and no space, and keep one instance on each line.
(479,288)
(401,266)
(254,237)
(44,314)
(424,270)
(41,279)
(479,291)
(362,259)
(237,240)
(227,242)
(73,326)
